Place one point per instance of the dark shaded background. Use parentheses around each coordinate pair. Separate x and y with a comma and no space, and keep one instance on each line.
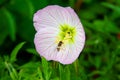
(100,59)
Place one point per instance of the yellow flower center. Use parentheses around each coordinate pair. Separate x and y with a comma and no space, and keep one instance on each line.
(67,34)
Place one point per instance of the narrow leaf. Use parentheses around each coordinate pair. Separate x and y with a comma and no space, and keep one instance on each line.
(46,67)
(23,7)
(12,71)
(3,26)
(40,73)
(15,51)
(32,51)
(11,22)
(111,6)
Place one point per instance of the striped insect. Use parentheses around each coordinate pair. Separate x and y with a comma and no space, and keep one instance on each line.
(59,45)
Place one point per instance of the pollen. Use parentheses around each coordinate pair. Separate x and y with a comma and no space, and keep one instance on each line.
(66,34)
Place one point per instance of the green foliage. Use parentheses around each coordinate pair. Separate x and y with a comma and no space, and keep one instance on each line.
(39,4)
(64,70)
(3,27)
(46,71)
(111,6)
(10,27)
(105,26)
(21,6)
(32,51)
(12,71)
(15,51)
(71,3)
(99,60)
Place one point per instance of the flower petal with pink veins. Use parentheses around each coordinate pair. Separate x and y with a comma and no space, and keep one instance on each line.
(60,35)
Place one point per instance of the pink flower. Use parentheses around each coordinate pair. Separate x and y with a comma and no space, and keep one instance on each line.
(60,35)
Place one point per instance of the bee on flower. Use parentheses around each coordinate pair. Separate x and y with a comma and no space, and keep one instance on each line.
(60,35)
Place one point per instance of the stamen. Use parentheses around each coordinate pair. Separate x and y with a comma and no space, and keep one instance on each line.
(68,32)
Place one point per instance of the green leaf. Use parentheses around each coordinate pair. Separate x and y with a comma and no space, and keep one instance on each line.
(87,14)
(45,65)
(60,71)
(1,2)
(46,69)
(96,62)
(111,6)
(97,9)
(114,15)
(29,65)
(32,51)
(39,4)
(96,72)
(12,71)
(72,3)
(11,23)
(64,72)
(56,78)
(15,51)
(87,1)
(29,71)
(58,2)
(23,7)
(105,26)
(67,70)
(116,9)
(26,30)
(3,26)
(40,73)
(111,26)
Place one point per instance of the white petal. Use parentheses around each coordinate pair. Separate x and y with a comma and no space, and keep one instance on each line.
(69,55)
(50,15)
(74,19)
(45,42)
(54,16)
(72,51)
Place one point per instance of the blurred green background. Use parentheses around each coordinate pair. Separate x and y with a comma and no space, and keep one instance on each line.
(99,60)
